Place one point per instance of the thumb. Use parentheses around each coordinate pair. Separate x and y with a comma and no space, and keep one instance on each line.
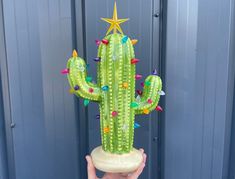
(90,168)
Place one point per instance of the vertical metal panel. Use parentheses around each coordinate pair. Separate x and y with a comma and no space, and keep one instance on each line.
(179,82)
(198,76)
(6,151)
(139,26)
(3,163)
(3,153)
(155,164)
(232,149)
(59,108)
(232,56)
(80,45)
(215,54)
(38,42)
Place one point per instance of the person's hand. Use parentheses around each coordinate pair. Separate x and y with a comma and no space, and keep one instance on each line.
(92,172)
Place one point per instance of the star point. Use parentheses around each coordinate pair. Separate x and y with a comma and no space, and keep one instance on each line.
(114,22)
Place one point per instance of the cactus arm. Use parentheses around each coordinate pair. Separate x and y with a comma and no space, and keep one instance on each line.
(77,77)
(152,87)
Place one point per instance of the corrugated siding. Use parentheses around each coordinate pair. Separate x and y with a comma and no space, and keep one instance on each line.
(180,75)
(232,157)
(3,154)
(38,44)
(232,56)
(3,158)
(198,80)
(198,71)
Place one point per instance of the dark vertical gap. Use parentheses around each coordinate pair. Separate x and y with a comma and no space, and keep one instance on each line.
(73,22)
(151,145)
(84,28)
(232,145)
(3,156)
(162,64)
(157,138)
(3,152)
(231,166)
(85,135)
(78,6)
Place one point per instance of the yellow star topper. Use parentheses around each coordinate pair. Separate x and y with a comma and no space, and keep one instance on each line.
(114,22)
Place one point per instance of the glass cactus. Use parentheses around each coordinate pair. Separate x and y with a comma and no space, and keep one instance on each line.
(115,90)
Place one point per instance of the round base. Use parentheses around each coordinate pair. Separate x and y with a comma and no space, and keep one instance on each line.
(116,163)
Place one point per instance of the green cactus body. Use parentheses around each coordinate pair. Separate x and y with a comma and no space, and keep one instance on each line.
(115,92)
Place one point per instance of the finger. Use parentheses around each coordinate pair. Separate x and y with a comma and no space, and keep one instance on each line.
(89,161)
(137,173)
(124,174)
(140,169)
(141,150)
(144,158)
(112,176)
(90,168)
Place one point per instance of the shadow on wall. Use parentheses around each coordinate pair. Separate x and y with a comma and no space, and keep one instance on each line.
(232,148)
(3,159)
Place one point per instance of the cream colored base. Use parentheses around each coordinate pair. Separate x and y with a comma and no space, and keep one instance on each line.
(115,163)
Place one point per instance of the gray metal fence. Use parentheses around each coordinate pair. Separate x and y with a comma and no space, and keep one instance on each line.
(45,132)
